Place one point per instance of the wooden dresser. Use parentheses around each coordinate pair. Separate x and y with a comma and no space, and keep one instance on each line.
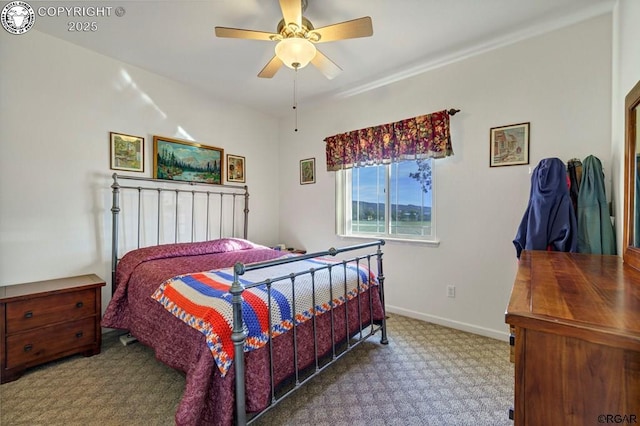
(576,321)
(47,320)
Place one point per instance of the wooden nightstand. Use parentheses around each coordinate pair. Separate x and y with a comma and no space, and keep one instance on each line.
(47,320)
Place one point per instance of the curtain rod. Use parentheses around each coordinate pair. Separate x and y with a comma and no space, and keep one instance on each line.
(453,111)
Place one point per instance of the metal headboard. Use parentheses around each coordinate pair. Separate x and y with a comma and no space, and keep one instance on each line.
(215,196)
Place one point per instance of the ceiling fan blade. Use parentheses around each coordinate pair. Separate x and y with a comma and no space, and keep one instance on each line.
(355,28)
(246,34)
(271,68)
(292,11)
(326,65)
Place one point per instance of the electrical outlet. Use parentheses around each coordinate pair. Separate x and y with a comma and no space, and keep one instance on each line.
(451,291)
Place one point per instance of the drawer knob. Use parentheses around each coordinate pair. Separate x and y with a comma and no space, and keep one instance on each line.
(28,314)
(28,347)
(79,334)
(512,339)
(79,305)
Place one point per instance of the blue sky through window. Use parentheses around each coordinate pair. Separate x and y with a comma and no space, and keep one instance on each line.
(368,185)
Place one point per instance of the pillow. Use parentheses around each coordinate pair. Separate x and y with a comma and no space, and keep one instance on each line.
(135,257)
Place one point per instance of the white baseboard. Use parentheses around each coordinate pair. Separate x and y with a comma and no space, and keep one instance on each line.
(482,331)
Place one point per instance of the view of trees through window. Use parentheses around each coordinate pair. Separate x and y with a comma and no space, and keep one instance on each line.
(393,199)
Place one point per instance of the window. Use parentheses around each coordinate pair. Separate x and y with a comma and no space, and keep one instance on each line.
(393,201)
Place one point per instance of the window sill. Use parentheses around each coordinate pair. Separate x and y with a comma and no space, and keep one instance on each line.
(430,243)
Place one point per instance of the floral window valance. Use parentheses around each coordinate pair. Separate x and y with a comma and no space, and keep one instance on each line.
(424,136)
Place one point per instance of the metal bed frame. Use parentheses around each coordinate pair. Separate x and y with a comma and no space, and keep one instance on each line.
(239,335)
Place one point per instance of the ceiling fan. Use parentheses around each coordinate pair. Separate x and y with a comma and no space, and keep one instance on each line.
(297,37)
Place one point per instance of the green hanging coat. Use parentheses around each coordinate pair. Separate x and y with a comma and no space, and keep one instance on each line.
(595,231)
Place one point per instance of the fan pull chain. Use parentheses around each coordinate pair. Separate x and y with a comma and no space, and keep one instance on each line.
(295,95)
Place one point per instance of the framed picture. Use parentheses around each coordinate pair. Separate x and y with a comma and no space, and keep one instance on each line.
(175,159)
(235,168)
(127,152)
(307,171)
(509,145)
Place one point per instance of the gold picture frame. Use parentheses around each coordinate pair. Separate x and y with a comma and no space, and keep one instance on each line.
(126,152)
(175,159)
(235,168)
(509,145)
(307,171)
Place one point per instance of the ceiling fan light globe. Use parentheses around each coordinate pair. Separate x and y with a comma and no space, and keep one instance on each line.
(295,52)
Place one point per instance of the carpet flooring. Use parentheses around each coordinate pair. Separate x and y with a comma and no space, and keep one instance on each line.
(427,375)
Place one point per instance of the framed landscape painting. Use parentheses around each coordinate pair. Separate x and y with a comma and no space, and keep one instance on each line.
(127,152)
(175,159)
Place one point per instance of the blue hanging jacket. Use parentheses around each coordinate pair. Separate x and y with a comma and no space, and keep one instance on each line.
(549,222)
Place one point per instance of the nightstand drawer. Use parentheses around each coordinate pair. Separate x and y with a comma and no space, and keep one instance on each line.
(40,311)
(34,346)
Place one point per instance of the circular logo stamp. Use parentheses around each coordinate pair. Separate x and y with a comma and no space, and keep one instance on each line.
(17,17)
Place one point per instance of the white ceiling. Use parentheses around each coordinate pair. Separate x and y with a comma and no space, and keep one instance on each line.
(176,39)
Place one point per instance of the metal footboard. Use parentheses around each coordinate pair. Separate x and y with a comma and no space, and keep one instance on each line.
(239,334)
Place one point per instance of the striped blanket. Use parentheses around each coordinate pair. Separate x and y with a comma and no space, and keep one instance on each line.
(203,301)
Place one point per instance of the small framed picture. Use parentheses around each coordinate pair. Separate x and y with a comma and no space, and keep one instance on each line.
(307,171)
(509,145)
(127,152)
(235,168)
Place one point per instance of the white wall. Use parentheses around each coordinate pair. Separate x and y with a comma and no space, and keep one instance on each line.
(560,82)
(626,73)
(59,102)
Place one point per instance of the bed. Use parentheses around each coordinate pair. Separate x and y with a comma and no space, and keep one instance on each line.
(245,323)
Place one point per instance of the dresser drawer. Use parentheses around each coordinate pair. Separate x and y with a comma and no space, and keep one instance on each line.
(33,347)
(39,311)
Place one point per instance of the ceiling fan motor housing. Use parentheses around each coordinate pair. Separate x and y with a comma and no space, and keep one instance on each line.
(292,30)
